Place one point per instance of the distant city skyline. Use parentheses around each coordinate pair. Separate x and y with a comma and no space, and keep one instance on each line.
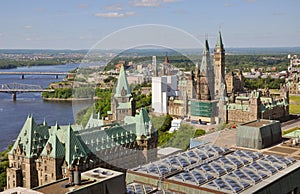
(80,24)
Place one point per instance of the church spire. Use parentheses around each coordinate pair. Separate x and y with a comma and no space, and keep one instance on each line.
(123,88)
(219,41)
(205,64)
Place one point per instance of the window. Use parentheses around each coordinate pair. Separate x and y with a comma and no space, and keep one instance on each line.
(46,178)
(45,168)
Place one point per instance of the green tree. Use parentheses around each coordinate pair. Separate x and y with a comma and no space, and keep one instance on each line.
(181,138)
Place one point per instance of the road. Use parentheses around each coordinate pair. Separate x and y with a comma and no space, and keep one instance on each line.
(290,124)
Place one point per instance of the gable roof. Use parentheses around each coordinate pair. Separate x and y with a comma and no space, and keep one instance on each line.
(56,149)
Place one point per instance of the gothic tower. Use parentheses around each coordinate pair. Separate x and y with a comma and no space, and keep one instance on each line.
(219,65)
(204,76)
(122,103)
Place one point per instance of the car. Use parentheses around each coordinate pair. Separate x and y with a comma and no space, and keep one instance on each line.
(194,122)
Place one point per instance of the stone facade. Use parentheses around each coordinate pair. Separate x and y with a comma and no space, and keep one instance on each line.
(258,105)
(223,96)
(293,83)
(234,82)
(219,65)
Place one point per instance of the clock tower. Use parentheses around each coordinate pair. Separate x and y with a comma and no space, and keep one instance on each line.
(219,65)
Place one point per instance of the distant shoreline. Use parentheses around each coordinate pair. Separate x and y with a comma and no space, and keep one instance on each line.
(69,99)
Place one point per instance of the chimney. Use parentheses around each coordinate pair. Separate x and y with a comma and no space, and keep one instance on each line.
(77,176)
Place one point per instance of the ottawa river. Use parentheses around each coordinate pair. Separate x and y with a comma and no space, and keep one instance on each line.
(13,114)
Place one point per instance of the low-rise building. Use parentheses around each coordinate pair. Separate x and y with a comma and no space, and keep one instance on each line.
(98,180)
(256,105)
(258,134)
(213,169)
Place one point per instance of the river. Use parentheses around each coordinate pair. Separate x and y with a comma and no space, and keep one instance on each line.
(14,113)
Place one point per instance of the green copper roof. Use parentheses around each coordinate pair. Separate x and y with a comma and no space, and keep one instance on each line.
(31,137)
(143,124)
(219,41)
(122,86)
(178,101)
(124,105)
(74,147)
(55,148)
(94,122)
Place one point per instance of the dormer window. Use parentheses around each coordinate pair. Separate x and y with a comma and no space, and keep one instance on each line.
(49,148)
(76,148)
(123,92)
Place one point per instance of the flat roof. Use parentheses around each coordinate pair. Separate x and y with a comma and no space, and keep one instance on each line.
(258,123)
(138,188)
(220,169)
(223,138)
(90,177)
(168,151)
(20,190)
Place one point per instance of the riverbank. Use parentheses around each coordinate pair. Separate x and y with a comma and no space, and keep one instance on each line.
(70,99)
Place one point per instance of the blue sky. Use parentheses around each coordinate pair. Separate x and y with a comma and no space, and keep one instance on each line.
(79,24)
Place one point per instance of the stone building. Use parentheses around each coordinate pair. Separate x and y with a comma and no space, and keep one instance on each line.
(203,107)
(258,105)
(217,97)
(293,83)
(234,82)
(43,153)
(200,91)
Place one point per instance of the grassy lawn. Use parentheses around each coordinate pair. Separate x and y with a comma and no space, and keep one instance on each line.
(294,109)
(275,91)
(295,99)
(290,130)
(294,104)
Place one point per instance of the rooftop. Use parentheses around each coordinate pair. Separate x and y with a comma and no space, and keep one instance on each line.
(258,123)
(222,138)
(219,169)
(138,188)
(88,178)
(163,152)
(20,190)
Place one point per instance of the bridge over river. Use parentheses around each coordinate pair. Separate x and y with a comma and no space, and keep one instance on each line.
(14,88)
(22,74)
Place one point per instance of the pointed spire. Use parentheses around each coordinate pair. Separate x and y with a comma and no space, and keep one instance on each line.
(123,88)
(56,125)
(44,122)
(166,61)
(205,63)
(206,47)
(219,40)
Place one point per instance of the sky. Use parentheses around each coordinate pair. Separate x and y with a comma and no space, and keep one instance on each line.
(80,24)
